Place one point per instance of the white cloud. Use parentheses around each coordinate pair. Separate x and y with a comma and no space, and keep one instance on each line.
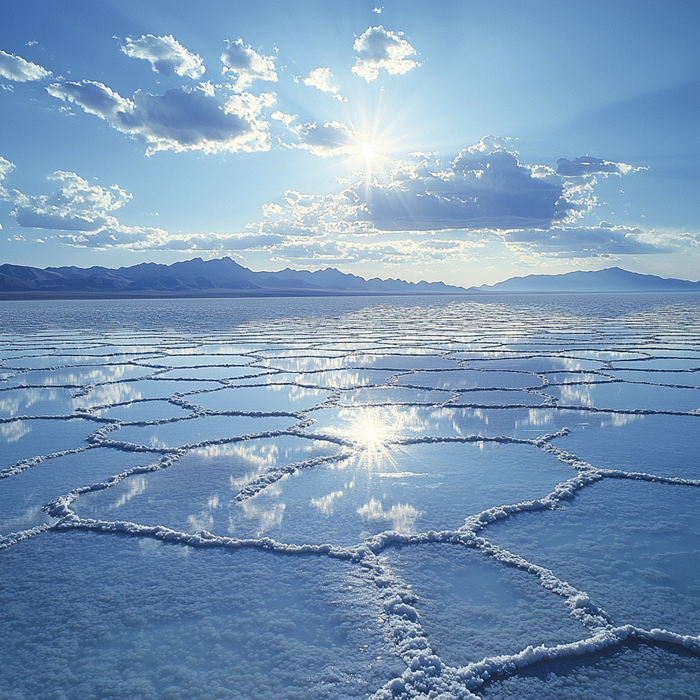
(434,211)
(179,120)
(311,215)
(247,64)
(588,165)
(320,79)
(6,167)
(604,240)
(485,187)
(81,210)
(400,251)
(166,55)
(331,139)
(83,214)
(283,117)
(378,48)
(117,236)
(75,206)
(18,69)
(138,238)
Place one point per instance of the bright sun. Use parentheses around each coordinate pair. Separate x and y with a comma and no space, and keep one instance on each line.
(368,151)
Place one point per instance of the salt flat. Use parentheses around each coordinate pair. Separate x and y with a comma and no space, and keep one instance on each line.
(351,498)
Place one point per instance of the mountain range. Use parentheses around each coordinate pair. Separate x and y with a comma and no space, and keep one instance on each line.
(196,278)
(224,277)
(612,279)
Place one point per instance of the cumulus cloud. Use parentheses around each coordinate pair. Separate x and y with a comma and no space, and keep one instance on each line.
(117,236)
(81,212)
(588,165)
(431,210)
(312,215)
(485,187)
(18,69)
(179,120)
(75,206)
(387,252)
(166,55)
(83,217)
(247,64)
(378,48)
(320,78)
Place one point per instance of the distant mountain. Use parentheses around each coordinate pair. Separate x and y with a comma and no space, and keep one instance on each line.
(195,278)
(225,277)
(612,279)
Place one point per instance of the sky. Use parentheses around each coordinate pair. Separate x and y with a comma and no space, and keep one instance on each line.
(464,142)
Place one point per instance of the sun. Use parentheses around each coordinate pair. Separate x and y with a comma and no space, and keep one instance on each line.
(368,151)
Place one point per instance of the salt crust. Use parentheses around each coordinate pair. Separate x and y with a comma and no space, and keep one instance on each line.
(426,674)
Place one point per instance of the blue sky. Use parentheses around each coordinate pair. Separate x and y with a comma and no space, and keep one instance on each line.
(458,141)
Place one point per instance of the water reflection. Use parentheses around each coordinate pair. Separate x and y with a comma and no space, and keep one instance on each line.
(267,516)
(617,420)
(12,432)
(372,431)
(20,401)
(107,394)
(580,395)
(137,486)
(536,418)
(205,519)
(402,516)
(325,503)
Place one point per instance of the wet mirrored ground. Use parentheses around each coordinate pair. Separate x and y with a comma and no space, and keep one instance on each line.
(351,498)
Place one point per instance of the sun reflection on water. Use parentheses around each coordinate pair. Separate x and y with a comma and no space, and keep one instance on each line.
(375,431)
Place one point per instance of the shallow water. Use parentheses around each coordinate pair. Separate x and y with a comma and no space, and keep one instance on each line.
(351,498)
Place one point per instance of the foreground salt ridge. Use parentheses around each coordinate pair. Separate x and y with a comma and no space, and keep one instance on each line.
(425,672)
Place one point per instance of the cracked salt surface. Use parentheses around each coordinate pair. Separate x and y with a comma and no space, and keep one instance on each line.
(351,498)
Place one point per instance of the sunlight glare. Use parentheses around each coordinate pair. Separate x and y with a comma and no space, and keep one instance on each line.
(368,151)
(372,432)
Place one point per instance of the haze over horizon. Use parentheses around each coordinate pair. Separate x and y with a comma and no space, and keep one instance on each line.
(463,142)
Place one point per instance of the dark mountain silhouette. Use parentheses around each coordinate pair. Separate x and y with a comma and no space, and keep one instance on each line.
(612,279)
(221,277)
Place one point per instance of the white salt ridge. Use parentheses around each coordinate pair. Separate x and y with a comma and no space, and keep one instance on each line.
(426,674)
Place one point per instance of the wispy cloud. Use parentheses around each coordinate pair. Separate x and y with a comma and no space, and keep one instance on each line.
(166,55)
(588,165)
(20,70)
(179,120)
(6,167)
(379,49)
